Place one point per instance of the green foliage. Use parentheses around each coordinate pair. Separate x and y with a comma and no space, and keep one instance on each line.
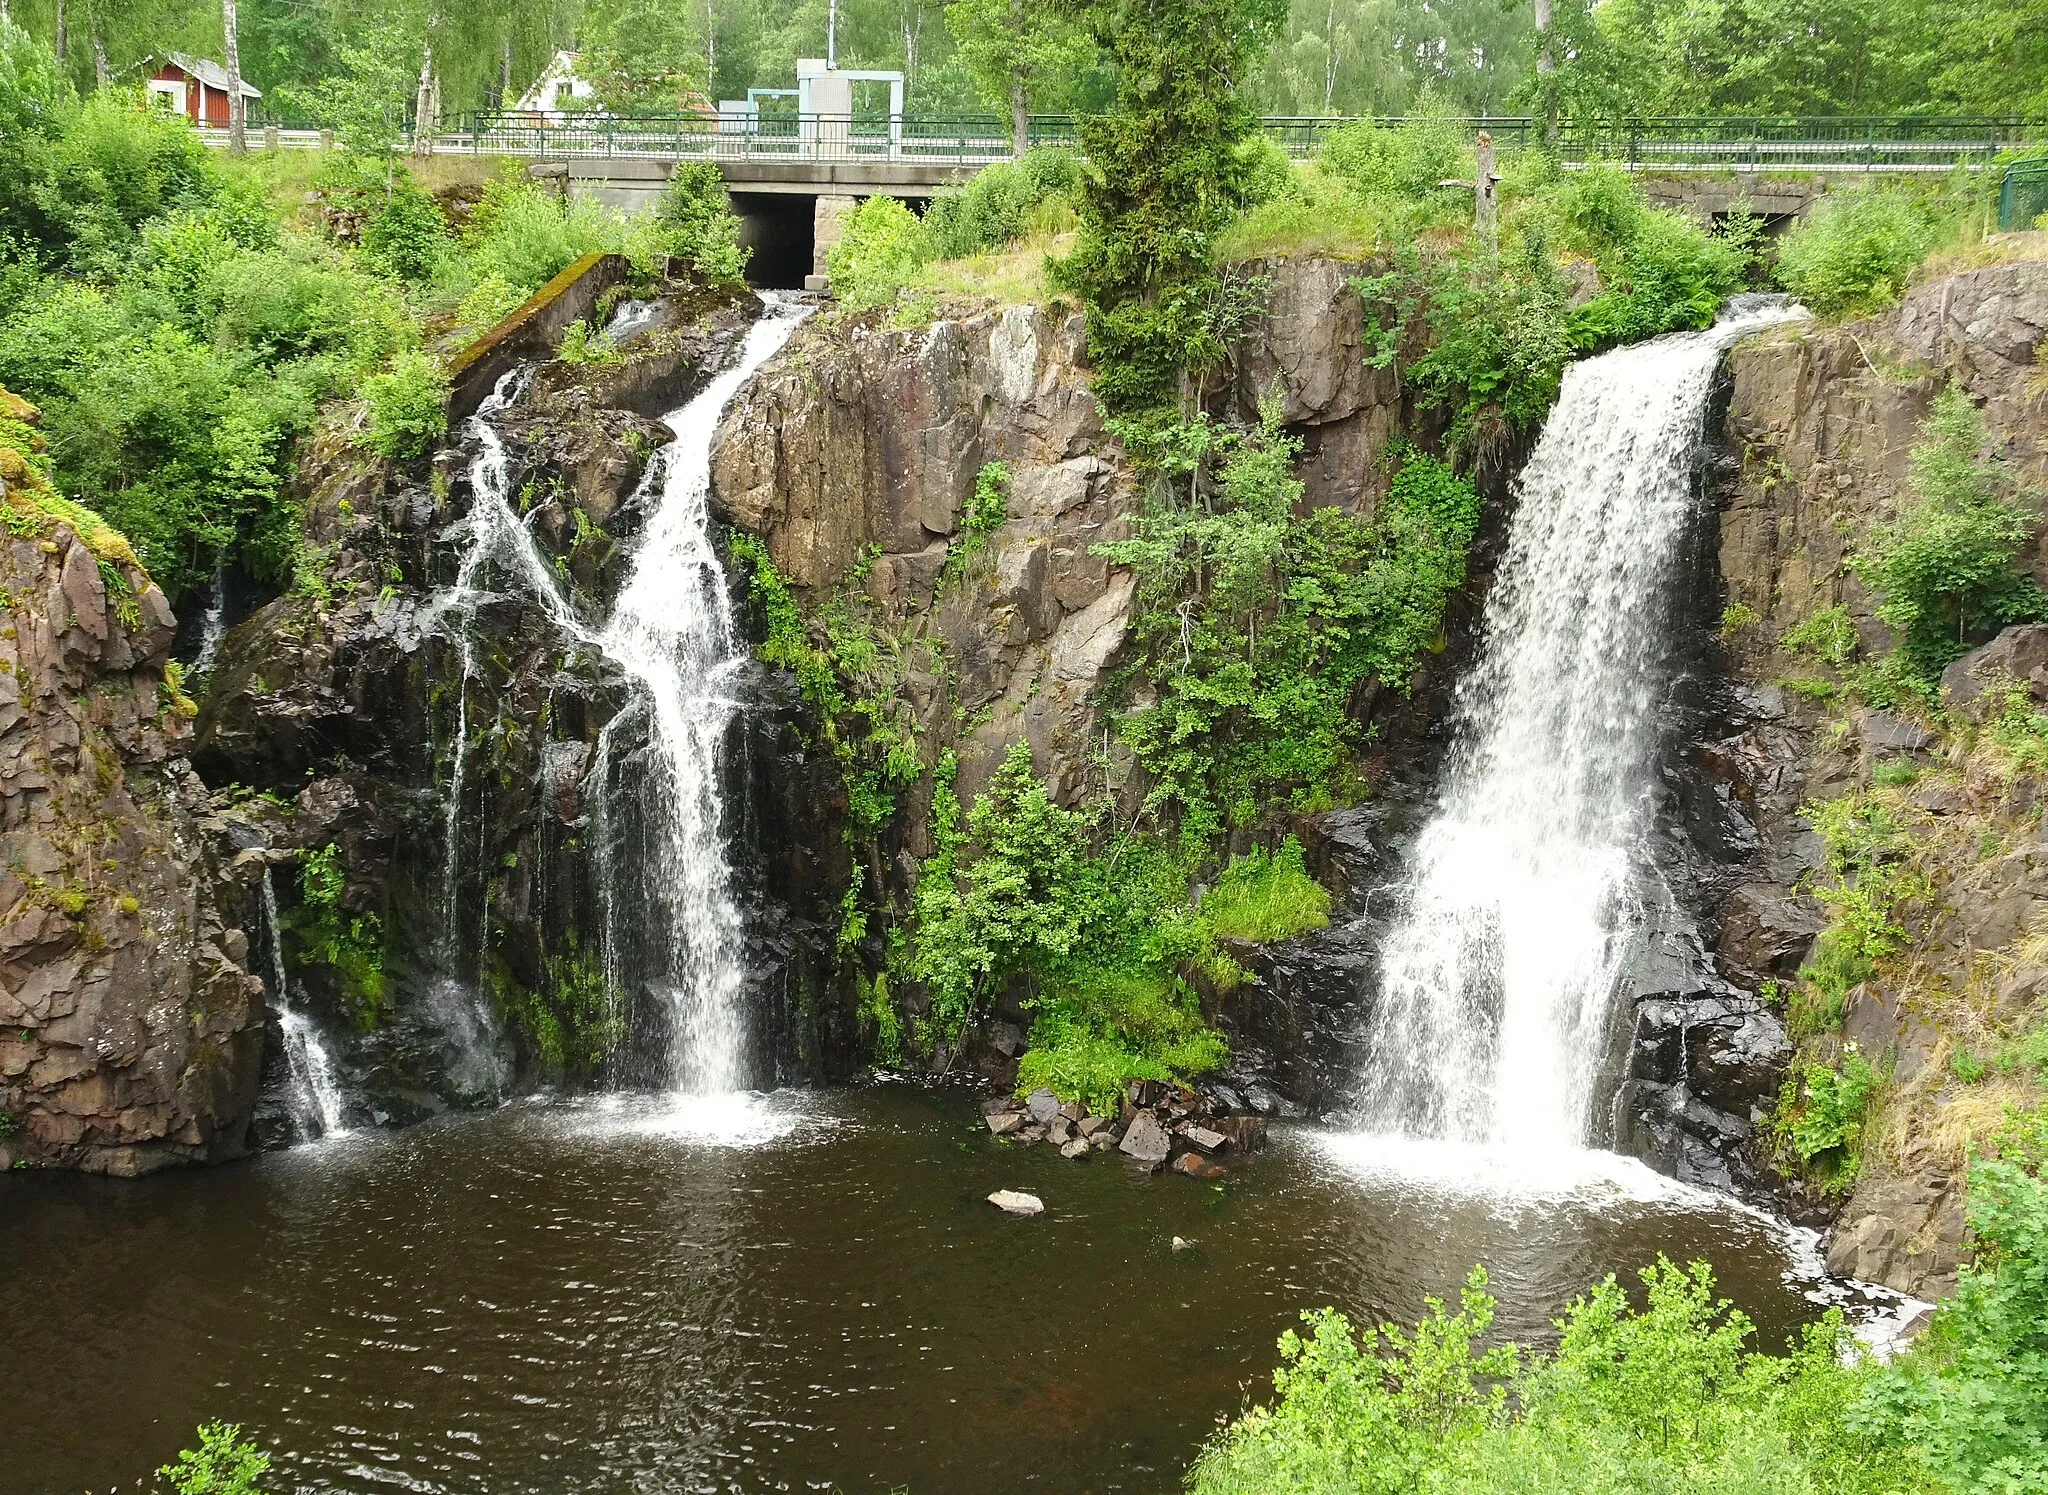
(1822,1113)
(1265,895)
(1661,271)
(1016,894)
(1258,625)
(1950,566)
(695,222)
(1973,1397)
(405,236)
(1166,169)
(1852,252)
(573,1020)
(881,245)
(325,933)
(580,345)
(1827,634)
(983,514)
(408,406)
(1867,880)
(1736,618)
(1001,202)
(525,236)
(222,1464)
(1664,1398)
(879,1010)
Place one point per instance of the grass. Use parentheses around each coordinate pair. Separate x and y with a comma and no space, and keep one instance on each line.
(1011,276)
(1325,217)
(1265,895)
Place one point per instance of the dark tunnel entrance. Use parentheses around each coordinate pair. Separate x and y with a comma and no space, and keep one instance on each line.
(778,227)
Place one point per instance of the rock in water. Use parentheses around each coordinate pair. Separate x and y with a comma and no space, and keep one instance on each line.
(1005,1122)
(1182,1245)
(1042,1104)
(1017,1204)
(1146,1140)
(1208,1141)
(1194,1165)
(1078,1148)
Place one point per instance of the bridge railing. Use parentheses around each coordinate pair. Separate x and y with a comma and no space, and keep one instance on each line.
(2023,195)
(966,139)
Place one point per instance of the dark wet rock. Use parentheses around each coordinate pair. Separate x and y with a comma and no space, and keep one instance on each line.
(1006,1039)
(1246,1133)
(1145,1140)
(1194,1165)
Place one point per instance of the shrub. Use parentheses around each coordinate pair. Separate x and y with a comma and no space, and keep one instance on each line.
(1661,271)
(405,235)
(580,345)
(1406,161)
(695,222)
(1949,566)
(1853,251)
(408,406)
(999,202)
(526,236)
(1825,1123)
(881,246)
(325,933)
(115,165)
(222,1464)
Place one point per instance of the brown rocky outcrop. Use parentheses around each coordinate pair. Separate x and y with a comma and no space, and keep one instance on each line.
(131,1034)
(1821,425)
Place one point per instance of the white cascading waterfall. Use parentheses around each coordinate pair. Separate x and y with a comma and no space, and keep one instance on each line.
(674,632)
(1516,921)
(314,1094)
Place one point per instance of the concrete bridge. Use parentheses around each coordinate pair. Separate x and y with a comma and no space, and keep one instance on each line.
(791,176)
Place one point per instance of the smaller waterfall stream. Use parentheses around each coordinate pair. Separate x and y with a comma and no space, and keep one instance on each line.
(213,622)
(1520,910)
(314,1095)
(674,632)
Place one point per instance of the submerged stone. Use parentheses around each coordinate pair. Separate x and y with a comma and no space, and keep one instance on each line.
(1012,1202)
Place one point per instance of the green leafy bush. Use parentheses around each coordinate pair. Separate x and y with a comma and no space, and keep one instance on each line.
(325,933)
(694,221)
(1868,879)
(580,345)
(881,245)
(1259,624)
(1824,1122)
(1407,162)
(1000,203)
(1665,1398)
(1950,567)
(408,406)
(1854,249)
(405,235)
(222,1464)
(1661,271)
(525,236)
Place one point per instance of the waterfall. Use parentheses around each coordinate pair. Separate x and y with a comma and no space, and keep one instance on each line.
(1516,922)
(213,622)
(313,1094)
(673,631)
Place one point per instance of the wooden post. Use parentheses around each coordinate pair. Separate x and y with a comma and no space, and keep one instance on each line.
(1482,192)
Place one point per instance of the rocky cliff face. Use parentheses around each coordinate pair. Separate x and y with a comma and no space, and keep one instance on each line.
(131,1033)
(1820,427)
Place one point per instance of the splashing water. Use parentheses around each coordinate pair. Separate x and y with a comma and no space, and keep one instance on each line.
(673,631)
(314,1094)
(212,622)
(1517,919)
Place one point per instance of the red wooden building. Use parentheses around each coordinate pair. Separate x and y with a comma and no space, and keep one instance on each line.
(197,88)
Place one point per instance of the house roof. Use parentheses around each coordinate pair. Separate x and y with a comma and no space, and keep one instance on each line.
(209,72)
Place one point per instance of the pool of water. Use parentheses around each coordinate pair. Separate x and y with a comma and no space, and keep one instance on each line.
(801,1292)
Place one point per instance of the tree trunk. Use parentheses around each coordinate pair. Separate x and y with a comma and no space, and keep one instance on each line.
(63,42)
(102,70)
(1020,109)
(505,73)
(423,100)
(1546,71)
(1330,57)
(710,55)
(231,47)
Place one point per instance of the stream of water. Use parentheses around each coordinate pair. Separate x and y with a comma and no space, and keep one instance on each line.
(313,1092)
(1518,917)
(673,630)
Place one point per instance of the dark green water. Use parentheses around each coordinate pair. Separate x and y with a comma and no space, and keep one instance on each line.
(593,1298)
